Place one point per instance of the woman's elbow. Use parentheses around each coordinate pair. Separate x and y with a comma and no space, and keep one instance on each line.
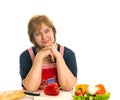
(30,87)
(69,87)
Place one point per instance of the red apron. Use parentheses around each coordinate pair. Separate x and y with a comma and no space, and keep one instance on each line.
(49,71)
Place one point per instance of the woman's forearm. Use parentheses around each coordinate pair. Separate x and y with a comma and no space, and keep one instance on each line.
(65,77)
(33,79)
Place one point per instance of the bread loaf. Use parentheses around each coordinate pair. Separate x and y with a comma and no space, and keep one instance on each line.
(12,95)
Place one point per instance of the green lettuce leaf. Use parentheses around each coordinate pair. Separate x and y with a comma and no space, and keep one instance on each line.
(105,96)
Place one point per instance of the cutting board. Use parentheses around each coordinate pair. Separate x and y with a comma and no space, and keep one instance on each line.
(63,95)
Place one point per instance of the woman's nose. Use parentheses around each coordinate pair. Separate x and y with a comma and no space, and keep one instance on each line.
(43,36)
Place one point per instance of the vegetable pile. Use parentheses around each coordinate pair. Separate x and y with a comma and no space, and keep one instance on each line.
(87,92)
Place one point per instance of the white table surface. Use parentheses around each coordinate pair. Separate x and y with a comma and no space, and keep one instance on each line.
(63,95)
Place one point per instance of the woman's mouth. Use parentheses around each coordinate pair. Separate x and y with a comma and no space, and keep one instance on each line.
(45,42)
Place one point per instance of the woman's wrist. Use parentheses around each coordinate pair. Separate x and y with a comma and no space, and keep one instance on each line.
(58,55)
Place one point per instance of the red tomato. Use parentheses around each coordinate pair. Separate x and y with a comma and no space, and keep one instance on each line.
(101,89)
(78,93)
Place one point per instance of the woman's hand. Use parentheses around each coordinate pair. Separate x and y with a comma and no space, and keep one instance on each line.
(49,52)
(54,49)
(45,53)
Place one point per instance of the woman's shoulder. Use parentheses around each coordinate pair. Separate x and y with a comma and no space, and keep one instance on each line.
(26,52)
(68,53)
(66,49)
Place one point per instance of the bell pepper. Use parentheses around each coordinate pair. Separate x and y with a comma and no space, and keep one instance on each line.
(52,89)
(101,89)
(81,88)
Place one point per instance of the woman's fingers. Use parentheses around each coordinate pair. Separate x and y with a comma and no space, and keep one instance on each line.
(52,57)
(48,53)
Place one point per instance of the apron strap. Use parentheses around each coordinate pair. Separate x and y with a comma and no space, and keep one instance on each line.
(31,53)
(61,50)
(30,50)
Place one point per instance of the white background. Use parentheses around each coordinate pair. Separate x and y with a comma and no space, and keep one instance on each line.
(91,28)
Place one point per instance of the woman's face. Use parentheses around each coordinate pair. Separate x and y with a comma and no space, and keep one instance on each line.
(44,36)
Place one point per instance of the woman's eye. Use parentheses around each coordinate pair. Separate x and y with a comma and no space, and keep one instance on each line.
(37,34)
(46,31)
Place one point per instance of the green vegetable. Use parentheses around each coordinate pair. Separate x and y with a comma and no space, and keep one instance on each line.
(105,96)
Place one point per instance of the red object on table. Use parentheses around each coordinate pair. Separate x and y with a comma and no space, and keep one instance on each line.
(52,89)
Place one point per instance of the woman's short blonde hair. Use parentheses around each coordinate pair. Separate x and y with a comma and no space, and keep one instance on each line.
(35,22)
